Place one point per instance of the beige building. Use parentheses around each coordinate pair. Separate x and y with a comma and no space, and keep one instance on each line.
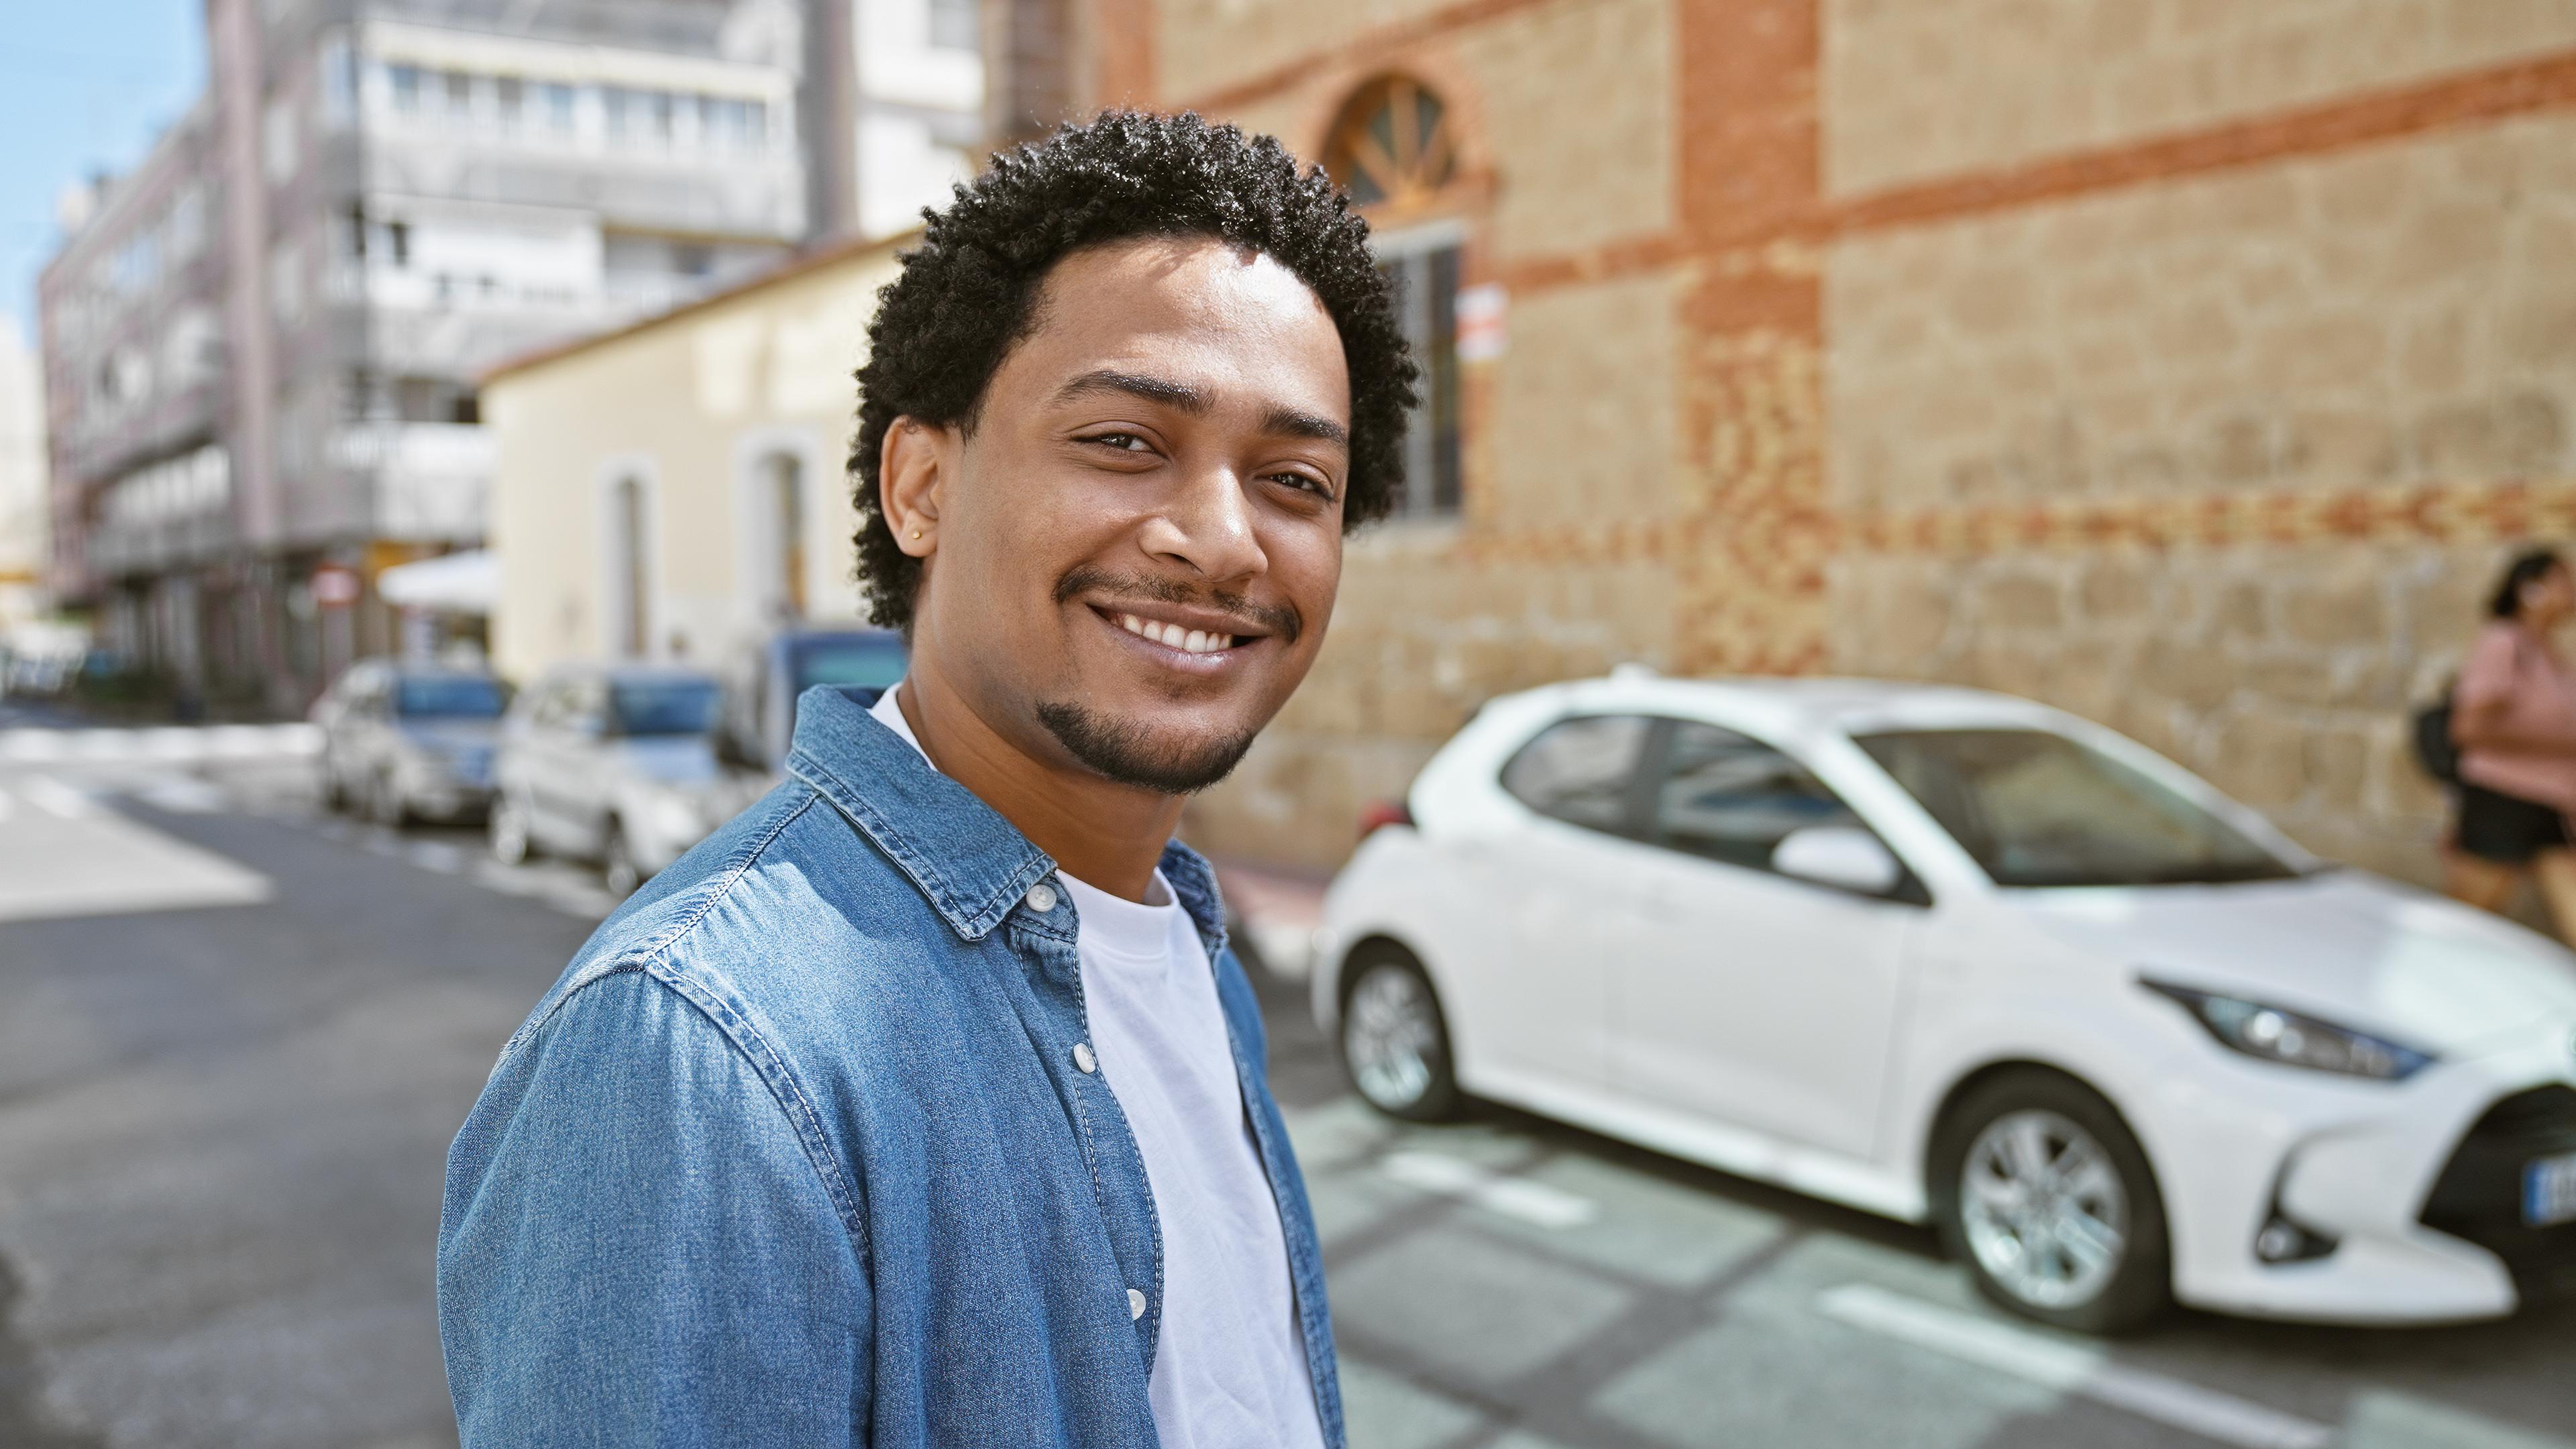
(675,488)
(2191,365)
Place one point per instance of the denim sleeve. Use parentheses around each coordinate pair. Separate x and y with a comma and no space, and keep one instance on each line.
(637,1249)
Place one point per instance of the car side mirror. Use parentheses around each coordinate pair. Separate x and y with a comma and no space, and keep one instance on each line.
(1840,856)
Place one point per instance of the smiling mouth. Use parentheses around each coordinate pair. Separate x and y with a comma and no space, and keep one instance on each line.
(1173,636)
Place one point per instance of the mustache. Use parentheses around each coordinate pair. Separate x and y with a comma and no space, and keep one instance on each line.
(1282,620)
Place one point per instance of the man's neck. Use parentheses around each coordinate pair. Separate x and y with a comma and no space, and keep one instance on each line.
(1106,835)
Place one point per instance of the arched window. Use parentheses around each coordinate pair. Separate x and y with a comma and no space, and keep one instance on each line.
(628,607)
(1391,146)
(783,482)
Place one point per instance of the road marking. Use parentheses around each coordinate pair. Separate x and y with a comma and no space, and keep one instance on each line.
(438,855)
(55,798)
(179,795)
(2071,1368)
(1531,1202)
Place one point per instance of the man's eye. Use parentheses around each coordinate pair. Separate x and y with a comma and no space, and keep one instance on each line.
(1123,442)
(1312,485)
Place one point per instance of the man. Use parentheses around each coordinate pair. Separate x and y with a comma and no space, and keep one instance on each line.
(923,1104)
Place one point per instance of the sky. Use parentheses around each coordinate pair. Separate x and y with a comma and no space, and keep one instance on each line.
(84,85)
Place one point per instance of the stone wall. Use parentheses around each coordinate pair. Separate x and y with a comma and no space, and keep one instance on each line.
(2385,315)
(1916,89)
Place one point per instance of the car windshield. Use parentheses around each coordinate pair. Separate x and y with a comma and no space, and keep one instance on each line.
(665,706)
(454,696)
(2036,808)
(860,663)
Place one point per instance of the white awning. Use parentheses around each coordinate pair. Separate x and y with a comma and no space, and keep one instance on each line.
(461,583)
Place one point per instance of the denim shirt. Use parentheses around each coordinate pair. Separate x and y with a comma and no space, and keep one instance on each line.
(797,1152)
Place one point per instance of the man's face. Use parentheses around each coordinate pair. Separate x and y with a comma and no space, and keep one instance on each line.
(1138,545)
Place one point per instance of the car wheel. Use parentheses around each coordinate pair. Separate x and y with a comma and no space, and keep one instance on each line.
(2044,1193)
(335,795)
(385,802)
(1395,1041)
(509,831)
(617,868)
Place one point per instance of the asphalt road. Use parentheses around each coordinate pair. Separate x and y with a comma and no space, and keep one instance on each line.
(238,1034)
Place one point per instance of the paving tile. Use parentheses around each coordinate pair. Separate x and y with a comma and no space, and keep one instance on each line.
(1338,1133)
(1472,1306)
(1797,1378)
(1353,1199)
(2384,1419)
(1648,1227)
(1383,1411)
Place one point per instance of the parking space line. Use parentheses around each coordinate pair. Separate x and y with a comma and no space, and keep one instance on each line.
(55,798)
(2071,1368)
(1531,1202)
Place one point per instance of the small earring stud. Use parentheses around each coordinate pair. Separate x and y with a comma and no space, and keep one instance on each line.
(916,533)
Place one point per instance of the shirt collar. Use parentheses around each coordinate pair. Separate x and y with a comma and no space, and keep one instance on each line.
(972,865)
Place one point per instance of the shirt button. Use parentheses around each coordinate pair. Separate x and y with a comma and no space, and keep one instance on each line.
(1084,1057)
(1042,898)
(1135,1305)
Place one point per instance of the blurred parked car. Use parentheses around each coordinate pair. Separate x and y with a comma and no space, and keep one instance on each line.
(617,764)
(1949,956)
(764,688)
(401,742)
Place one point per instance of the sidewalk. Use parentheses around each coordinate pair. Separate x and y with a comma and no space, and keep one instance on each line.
(1275,912)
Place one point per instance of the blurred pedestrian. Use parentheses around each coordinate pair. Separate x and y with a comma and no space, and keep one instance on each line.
(2513,714)
(923,1104)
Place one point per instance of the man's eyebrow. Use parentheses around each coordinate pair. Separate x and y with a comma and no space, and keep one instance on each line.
(1289,422)
(1281,421)
(1135,384)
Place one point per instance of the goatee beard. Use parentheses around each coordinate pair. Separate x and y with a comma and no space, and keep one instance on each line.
(1121,752)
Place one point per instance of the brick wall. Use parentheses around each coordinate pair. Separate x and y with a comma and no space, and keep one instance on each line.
(1923,88)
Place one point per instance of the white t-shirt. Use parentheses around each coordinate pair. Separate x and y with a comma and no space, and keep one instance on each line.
(1230,1363)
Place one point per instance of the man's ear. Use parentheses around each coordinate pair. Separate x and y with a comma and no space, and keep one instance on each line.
(915,465)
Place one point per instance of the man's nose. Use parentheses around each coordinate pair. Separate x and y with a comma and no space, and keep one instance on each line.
(1208,524)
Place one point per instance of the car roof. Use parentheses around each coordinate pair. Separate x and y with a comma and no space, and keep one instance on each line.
(1848,706)
(637,673)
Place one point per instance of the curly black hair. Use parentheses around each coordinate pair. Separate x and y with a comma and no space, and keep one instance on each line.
(969,292)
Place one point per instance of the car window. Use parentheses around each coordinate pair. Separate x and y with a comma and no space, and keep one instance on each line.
(583,705)
(1733,799)
(666,706)
(1582,770)
(449,696)
(547,708)
(856,663)
(2035,808)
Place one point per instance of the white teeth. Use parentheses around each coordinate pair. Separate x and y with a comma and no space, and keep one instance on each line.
(1188,641)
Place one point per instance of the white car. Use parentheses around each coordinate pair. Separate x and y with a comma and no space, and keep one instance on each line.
(623,764)
(1954,957)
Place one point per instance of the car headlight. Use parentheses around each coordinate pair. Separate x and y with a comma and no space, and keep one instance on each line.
(2278,1035)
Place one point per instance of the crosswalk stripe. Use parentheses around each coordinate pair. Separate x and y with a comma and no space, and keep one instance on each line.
(55,798)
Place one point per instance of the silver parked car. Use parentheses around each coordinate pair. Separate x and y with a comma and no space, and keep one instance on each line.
(618,764)
(767,680)
(402,743)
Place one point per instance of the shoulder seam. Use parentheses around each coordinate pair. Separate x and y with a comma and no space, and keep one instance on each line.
(650,959)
